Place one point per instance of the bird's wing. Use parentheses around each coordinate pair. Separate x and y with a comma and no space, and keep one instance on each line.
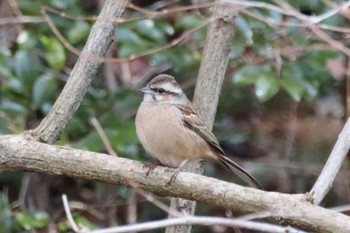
(192,121)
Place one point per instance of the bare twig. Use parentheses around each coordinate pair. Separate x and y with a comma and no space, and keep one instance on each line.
(329,40)
(334,162)
(169,45)
(70,219)
(103,136)
(22,20)
(270,20)
(148,13)
(203,221)
(14,5)
(311,21)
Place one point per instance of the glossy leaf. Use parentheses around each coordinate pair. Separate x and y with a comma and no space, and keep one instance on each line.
(79,32)
(26,40)
(293,82)
(127,35)
(31,220)
(54,52)
(245,29)
(187,22)
(44,88)
(27,66)
(266,86)
(148,30)
(13,108)
(249,74)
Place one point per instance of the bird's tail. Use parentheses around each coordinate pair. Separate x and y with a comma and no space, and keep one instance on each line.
(239,171)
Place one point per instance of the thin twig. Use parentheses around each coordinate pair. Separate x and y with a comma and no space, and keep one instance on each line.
(169,45)
(14,5)
(103,136)
(334,43)
(333,165)
(22,20)
(71,222)
(148,14)
(269,20)
(203,221)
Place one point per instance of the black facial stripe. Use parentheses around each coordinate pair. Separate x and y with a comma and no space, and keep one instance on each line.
(162,91)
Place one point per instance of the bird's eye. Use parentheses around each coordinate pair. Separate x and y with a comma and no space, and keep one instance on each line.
(161,90)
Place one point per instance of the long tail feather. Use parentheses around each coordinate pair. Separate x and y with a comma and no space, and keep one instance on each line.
(239,171)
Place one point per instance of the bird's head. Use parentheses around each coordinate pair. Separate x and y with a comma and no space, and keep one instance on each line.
(164,89)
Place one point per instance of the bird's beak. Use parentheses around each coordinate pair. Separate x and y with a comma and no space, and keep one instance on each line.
(145,90)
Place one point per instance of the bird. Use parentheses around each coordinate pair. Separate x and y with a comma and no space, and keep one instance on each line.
(169,128)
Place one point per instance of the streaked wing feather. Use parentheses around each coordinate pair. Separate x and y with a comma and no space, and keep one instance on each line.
(193,122)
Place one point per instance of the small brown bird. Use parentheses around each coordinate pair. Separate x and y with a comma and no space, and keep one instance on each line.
(170,129)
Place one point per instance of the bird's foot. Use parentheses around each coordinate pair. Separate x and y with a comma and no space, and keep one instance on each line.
(173,176)
(176,172)
(151,166)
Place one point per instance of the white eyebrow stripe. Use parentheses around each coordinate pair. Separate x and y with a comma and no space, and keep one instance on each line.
(170,87)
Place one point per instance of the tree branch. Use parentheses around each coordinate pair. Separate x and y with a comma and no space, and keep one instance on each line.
(82,75)
(210,78)
(200,220)
(19,153)
(325,180)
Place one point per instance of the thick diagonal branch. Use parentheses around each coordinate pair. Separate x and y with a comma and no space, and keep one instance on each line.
(82,75)
(331,169)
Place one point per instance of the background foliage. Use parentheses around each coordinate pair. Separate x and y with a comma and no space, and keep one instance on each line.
(279,114)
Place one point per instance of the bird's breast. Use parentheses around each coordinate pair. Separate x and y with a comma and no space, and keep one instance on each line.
(162,133)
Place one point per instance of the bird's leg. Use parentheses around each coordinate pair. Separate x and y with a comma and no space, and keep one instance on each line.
(177,171)
(152,166)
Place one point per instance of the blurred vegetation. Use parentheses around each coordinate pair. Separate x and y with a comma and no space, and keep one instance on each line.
(281,106)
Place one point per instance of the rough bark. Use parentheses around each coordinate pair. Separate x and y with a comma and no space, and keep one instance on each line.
(210,78)
(82,75)
(325,181)
(19,153)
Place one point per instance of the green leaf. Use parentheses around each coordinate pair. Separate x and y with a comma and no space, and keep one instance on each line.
(164,27)
(44,87)
(79,32)
(292,81)
(187,22)
(54,52)
(82,221)
(148,29)
(127,35)
(266,87)
(238,45)
(249,74)
(262,76)
(13,108)
(33,220)
(129,49)
(27,67)
(26,40)
(245,29)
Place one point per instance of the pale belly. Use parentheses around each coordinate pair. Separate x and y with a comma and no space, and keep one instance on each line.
(166,138)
